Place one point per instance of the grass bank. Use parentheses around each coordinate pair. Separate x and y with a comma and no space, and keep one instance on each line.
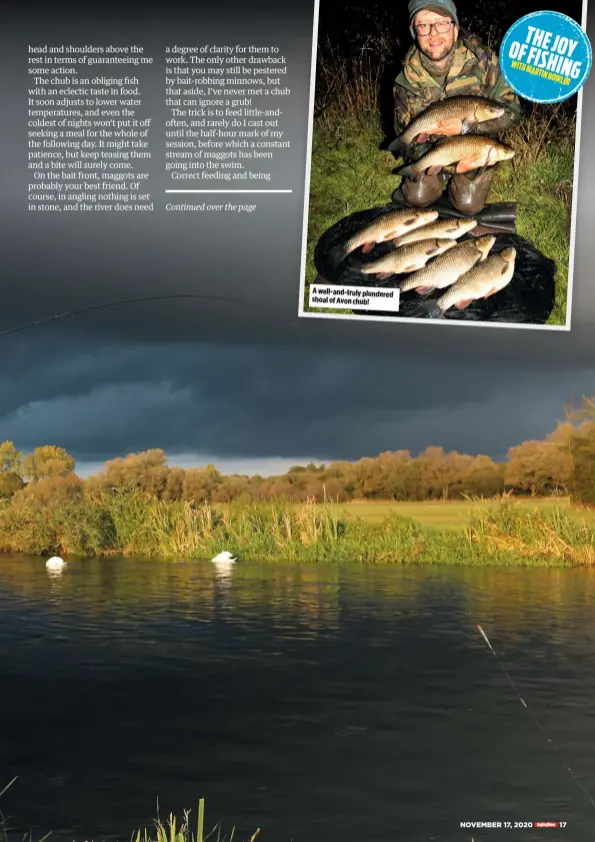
(136,525)
(351,173)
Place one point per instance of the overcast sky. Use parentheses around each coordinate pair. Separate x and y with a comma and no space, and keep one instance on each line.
(250,388)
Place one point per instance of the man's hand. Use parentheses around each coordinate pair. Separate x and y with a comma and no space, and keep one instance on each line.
(497,126)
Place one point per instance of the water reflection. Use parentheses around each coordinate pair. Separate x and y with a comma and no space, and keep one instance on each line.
(224,572)
(317,702)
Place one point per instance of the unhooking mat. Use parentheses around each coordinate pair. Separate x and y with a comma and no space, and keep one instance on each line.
(528,299)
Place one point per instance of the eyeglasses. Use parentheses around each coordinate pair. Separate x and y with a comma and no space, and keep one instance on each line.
(441,28)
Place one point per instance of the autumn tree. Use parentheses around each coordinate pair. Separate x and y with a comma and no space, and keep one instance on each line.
(483,478)
(145,471)
(55,490)
(200,484)
(46,461)
(11,478)
(578,437)
(582,483)
(539,467)
(174,484)
(10,458)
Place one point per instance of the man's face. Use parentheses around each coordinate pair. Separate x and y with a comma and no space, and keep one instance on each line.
(436,45)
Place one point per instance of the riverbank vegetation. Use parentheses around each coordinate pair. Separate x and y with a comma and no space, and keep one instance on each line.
(136,525)
(534,507)
(353,123)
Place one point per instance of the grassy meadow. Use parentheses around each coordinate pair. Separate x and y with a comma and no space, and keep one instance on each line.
(456,514)
(350,172)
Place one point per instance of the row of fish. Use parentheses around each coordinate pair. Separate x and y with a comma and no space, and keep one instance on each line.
(429,250)
(451,120)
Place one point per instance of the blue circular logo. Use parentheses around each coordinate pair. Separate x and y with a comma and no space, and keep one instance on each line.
(546,57)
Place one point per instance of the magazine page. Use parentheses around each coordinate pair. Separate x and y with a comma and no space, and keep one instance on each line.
(279,562)
(461,158)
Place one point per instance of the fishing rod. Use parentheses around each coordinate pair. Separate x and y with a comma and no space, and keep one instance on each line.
(123,301)
(535,720)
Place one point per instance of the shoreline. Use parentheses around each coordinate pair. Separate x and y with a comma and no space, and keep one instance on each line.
(497,533)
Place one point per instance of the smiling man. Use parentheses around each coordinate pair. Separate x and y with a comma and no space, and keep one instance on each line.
(448,61)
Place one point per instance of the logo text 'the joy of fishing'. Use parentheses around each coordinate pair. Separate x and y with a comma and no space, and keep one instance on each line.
(546,57)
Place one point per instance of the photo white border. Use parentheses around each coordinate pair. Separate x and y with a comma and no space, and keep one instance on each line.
(403,320)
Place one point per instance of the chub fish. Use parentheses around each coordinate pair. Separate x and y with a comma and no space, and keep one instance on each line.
(456,115)
(389,226)
(408,258)
(468,153)
(448,267)
(448,229)
(482,281)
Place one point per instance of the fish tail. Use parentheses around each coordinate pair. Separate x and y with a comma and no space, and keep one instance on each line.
(336,255)
(436,313)
(398,145)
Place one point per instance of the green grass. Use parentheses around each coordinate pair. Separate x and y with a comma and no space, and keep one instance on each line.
(135,525)
(349,173)
(454,514)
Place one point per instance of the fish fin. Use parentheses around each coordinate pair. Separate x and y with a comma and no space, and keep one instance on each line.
(490,292)
(434,170)
(382,276)
(473,162)
(461,305)
(433,250)
(424,291)
(449,128)
(467,124)
(421,138)
(398,145)
(367,247)
(411,268)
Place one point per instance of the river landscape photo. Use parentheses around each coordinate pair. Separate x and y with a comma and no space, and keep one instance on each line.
(266,578)
(406,660)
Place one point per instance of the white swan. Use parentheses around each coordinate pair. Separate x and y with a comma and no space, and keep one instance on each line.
(224,558)
(55,563)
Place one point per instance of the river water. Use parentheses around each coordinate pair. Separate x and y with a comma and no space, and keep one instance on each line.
(324,703)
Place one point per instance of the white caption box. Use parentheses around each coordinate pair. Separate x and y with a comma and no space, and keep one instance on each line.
(354,298)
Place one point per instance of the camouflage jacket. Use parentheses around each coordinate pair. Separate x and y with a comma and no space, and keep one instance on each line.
(475,71)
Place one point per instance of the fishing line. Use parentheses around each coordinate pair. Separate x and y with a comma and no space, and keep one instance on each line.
(124,301)
(535,720)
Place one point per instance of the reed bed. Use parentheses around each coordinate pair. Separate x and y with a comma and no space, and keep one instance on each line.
(136,525)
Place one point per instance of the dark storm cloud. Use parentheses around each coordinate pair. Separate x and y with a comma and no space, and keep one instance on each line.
(239,381)
(251,401)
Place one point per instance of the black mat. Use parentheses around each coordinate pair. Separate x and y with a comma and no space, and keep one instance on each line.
(528,299)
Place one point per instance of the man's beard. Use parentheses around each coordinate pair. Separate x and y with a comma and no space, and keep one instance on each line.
(445,52)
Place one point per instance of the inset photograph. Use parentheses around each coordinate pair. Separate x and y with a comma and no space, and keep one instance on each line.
(434,193)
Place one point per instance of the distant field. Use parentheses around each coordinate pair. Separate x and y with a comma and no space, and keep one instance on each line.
(450,514)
